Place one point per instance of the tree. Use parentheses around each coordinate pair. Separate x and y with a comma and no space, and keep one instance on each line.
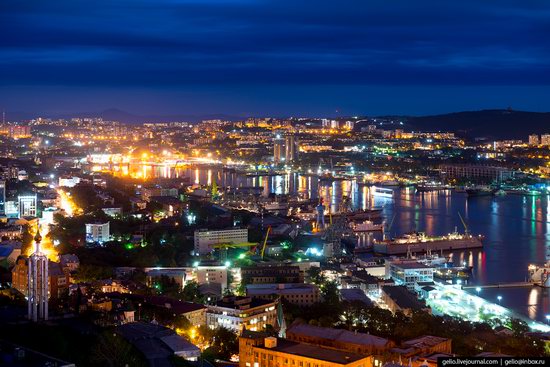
(191,292)
(114,351)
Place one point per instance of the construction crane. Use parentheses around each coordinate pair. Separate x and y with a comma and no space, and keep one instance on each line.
(265,241)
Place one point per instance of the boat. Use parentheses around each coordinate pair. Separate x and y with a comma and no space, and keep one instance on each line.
(431,187)
(368,226)
(276,205)
(389,183)
(381,192)
(480,190)
(419,242)
(540,274)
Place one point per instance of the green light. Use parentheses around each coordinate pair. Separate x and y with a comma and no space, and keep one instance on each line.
(242,256)
(227,264)
(129,246)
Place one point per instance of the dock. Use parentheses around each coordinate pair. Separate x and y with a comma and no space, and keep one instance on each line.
(503,285)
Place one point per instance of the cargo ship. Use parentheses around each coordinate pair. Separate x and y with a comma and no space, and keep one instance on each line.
(418,242)
(368,226)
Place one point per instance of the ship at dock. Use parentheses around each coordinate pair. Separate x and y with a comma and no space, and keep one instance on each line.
(419,242)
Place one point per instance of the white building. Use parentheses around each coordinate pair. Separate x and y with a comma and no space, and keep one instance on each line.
(234,313)
(27,206)
(97,232)
(408,273)
(69,181)
(205,239)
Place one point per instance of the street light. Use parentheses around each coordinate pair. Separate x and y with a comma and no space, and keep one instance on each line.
(499,299)
(478,289)
(548,318)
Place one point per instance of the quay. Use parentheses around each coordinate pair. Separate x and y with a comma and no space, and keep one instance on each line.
(503,285)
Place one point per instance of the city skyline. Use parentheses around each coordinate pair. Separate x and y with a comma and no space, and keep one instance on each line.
(273,58)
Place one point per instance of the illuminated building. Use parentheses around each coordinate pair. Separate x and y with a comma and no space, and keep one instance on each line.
(300,294)
(272,274)
(291,148)
(408,273)
(27,206)
(2,197)
(68,181)
(97,232)
(10,209)
(212,274)
(37,284)
(235,313)
(545,140)
(257,349)
(534,140)
(278,148)
(204,239)
(477,172)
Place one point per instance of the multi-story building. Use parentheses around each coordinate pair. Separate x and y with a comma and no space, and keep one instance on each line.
(291,148)
(263,274)
(534,140)
(27,205)
(278,149)
(2,197)
(205,239)
(212,274)
(235,313)
(366,344)
(477,172)
(300,294)
(97,232)
(408,273)
(148,192)
(259,350)
(545,140)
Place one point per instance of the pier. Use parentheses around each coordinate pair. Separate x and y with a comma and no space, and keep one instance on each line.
(503,285)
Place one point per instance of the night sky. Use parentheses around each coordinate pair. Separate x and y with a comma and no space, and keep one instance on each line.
(254,57)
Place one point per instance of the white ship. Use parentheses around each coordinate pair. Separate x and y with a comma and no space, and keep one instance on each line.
(540,274)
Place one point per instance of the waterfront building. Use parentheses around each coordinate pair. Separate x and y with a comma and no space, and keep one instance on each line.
(477,172)
(97,232)
(238,313)
(262,274)
(257,349)
(300,294)
(408,273)
(27,206)
(361,343)
(205,239)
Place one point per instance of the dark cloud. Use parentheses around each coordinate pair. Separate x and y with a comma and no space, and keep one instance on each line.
(171,46)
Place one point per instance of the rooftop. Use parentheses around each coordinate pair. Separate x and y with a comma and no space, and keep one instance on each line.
(340,335)
(403,298)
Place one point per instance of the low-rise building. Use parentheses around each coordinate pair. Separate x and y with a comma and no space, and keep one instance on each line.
(260,350)
(300,294)
(262,274)
(399,298)
(58,280)
(235,313)
(341,339)
(423,345)
(97,232)
(408,273)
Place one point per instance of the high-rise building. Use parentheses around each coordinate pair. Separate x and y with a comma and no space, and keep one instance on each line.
(27,206)
(545,139)
(278,149)
(534,140)
(2,197)
(37,283)
(291,148)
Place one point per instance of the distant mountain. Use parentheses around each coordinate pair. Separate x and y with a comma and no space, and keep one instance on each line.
(499,124)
